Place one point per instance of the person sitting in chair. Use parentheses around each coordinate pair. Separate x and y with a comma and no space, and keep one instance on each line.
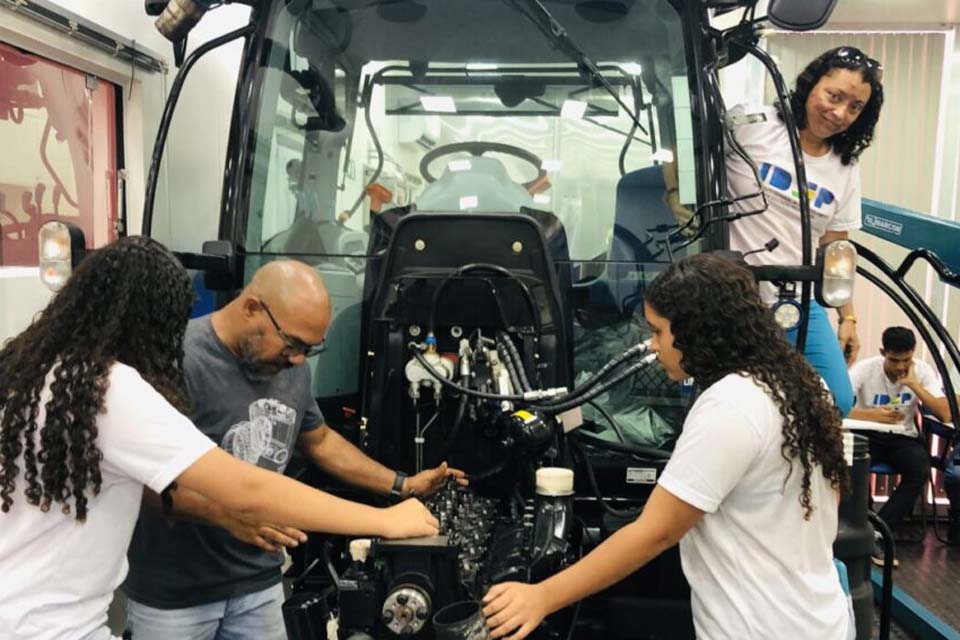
(887,389)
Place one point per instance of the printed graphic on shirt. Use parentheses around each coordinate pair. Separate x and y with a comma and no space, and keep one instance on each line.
(265,439)
(882,399)
(782,180)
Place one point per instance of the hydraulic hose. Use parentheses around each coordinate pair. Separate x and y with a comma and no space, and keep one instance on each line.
(575,399)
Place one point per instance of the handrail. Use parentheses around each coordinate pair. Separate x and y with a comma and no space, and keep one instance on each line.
(163,130)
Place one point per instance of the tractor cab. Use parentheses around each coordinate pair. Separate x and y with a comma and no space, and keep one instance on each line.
(486,188)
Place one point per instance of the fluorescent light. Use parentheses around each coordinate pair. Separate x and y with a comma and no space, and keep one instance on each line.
(632,68)
(572,109)
(541,198)
(444,104)
(469,202)
(481,66)
(459,165)
(663,155)
(550,165)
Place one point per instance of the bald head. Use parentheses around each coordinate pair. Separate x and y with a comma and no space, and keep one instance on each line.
(290,286)
(295,295)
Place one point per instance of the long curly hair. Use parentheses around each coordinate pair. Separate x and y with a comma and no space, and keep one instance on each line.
(128,302)
(721,326)
(852,142)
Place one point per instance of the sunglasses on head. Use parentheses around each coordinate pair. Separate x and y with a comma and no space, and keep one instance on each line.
(856,57)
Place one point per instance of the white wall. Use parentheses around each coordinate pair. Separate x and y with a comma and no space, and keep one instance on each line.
(188,193)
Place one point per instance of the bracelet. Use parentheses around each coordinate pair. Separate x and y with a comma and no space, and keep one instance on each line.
(397,491)
(848,319)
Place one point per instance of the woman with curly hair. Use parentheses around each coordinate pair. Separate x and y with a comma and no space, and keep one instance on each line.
(751,490)
(836,104)
(92,398)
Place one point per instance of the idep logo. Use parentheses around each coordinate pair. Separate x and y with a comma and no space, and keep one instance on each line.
(782,180)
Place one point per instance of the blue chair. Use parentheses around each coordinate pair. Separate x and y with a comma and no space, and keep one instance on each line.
(639,209)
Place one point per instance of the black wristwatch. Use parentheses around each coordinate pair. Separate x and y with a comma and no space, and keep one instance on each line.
(397,491)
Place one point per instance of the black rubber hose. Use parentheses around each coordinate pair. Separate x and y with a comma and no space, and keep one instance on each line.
(575,399)
(467,268)
(511,368)
(517,361)
(610,419)
(567,401)
(455,430)
(605,369)
(592,479)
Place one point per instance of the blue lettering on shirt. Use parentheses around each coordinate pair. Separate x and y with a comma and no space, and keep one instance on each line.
(881,399)
(782,180)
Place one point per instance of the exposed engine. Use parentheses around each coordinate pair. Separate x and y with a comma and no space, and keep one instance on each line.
(468,362)
(396,588)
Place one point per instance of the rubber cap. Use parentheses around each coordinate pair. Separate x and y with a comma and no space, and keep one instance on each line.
(554,481)
(359,549)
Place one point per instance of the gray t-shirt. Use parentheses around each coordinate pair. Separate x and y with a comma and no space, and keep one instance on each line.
(178,564)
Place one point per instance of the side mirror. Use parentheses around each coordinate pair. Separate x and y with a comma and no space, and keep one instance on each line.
(800,15)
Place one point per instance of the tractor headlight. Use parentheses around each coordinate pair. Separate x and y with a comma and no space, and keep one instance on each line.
(60,245)
(839,261)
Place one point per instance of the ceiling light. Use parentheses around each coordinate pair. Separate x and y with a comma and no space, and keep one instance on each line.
(443,104)
(573,109)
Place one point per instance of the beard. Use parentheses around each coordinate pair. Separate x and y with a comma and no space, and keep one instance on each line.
(257,369)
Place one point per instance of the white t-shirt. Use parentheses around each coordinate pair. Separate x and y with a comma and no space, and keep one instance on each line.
(873,388)
(757,569)
(834,191)
(57,576)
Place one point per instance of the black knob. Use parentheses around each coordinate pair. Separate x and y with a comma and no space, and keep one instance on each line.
(388,616)
(403,598)
(422,613)
(407,630)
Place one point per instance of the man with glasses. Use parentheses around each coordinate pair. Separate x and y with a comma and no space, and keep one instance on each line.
(250,387)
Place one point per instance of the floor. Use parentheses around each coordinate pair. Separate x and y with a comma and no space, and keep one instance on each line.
(930,573)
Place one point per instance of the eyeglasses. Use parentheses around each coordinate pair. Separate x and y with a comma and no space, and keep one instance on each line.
(295,346)
(856,57)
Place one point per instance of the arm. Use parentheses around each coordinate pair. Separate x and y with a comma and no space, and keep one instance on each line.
(191,506)
(259,495)
(336,455)
(520,607)
(671,196)
(847,326)
(937,404)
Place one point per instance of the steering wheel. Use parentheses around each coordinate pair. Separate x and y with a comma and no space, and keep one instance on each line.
(478,149)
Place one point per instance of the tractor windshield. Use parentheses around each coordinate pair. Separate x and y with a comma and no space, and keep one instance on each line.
(575,110)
